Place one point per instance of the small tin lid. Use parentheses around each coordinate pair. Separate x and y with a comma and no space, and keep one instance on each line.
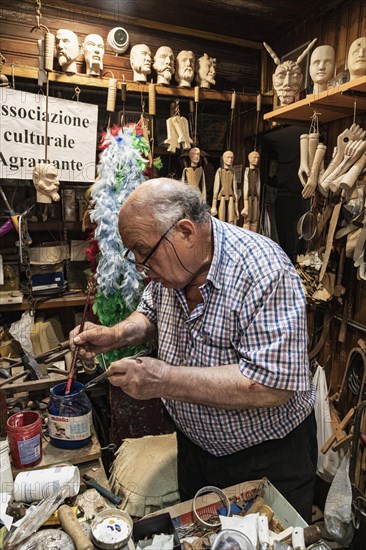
(111,529)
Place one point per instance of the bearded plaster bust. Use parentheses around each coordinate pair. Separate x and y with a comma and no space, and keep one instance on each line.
(205,71)
(93,49)
(46,183)
(164,64)
(67,50)
(184,68)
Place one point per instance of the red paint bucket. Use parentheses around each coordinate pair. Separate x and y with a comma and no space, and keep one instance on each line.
(24,431)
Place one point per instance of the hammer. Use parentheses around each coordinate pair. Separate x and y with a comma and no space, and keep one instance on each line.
(32,370)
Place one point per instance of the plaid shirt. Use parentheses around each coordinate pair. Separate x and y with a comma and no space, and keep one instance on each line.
(253,313)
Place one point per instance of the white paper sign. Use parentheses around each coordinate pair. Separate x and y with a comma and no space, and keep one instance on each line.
(70,135)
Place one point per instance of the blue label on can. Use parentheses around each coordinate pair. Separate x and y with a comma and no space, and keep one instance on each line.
(29,450)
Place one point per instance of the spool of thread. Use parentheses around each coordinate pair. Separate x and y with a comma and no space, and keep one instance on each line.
(196,94)
(49,47)
(233,101)
(24,431)
(6,476)
(111,98)
(152,99)
(123,90)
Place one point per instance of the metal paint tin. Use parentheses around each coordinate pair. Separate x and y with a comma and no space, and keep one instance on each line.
(111,529)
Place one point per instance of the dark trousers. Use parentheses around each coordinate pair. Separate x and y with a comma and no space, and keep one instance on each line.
(288,463)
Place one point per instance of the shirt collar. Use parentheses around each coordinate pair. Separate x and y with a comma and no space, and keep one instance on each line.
(215,274)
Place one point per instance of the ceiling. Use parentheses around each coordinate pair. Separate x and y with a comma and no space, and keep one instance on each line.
(253,20)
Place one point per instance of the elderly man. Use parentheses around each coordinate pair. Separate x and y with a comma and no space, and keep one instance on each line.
(228,311)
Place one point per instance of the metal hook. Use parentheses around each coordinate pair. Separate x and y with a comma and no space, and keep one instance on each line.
(39,26)
(77,93)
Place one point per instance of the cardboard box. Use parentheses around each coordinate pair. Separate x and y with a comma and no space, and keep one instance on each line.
(285,514)
(147,527)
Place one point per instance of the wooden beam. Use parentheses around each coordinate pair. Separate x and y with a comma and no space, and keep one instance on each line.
(103,82)
(153,25)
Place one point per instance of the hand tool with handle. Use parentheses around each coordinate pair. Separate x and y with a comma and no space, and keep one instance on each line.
(76,350)
(104,375)
(71,526)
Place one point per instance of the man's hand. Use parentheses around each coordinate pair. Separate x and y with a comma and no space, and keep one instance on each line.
(142,378)
(93,340)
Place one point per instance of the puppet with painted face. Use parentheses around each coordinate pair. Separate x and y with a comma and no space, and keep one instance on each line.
(287,78)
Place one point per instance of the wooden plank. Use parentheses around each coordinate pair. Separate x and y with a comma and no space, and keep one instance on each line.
(61,302)
(335,103)
(52,455)
(103,82)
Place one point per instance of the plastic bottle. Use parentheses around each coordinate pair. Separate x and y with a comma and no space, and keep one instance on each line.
(69,417)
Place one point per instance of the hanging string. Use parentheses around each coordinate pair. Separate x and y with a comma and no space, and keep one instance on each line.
(46,123)
(152,113)
(314,125)
(259,105)
(354,111)
(124,98)
(232,107)
(196,100)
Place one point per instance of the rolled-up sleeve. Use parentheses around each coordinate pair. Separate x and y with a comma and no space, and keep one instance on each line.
(273,345)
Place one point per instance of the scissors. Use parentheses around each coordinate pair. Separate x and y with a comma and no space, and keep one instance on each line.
(104,375)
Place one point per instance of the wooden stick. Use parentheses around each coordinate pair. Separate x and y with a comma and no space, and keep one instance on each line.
(76,350)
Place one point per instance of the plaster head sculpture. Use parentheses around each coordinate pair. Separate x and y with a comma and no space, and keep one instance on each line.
(287,78)
(321,69)
(206,71)
(67,50)
(46,183)
(228,159)
(254,159)
(184,68)
(93,49)
(195,155)
(140,60)
(356,60)
(164,64)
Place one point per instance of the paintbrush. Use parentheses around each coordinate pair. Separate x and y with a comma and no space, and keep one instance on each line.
(76,350)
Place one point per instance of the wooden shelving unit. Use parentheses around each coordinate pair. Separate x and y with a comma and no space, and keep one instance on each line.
(332,104)
(77,299)
(103,82)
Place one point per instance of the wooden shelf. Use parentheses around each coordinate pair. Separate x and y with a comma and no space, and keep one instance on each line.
(332,104)
(56,225)
(103,82)
(60,302)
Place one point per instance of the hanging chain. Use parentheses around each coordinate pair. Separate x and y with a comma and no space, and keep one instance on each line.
(24,244)
(67,260)
(38,12)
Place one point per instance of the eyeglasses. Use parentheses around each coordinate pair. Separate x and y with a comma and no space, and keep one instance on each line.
(130,257)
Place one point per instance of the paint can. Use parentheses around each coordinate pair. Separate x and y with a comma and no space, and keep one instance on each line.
(69,417)
(24,431)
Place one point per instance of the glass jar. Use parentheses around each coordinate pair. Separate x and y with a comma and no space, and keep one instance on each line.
(69,417)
